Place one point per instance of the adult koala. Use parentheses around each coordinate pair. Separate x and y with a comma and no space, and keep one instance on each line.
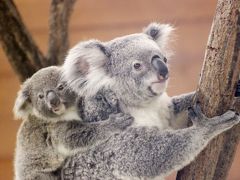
(134,67)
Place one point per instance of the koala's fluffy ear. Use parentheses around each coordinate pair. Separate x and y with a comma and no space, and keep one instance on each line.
(84,65)
(160,33)
(83,56)
(22,105)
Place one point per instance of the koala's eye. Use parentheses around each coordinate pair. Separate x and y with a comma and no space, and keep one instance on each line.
(40,96)
(137,66)
(156,56)
(60,87)
(165,59)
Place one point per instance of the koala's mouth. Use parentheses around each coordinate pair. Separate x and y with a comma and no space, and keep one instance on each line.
(158,86)
(160,79)
(60,109)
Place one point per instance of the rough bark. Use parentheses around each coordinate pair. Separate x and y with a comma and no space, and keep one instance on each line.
(236,105)
(21,50)
(60,12)
(231,138)
(216,92)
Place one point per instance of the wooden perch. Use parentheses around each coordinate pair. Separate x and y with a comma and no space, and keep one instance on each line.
(216,92)
(60,12)
(21,50)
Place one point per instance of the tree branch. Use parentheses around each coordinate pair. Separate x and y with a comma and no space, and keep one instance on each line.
(60,12)
(22,52)
(231,138)
(217,87)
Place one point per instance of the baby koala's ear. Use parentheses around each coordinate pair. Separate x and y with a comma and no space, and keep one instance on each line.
(22,106)
(160,33)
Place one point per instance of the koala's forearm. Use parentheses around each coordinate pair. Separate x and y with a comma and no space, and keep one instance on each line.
(148,152)
(142,153)
(160,153)
(76,135)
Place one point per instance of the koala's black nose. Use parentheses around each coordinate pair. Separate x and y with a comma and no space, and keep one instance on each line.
(53,98)
(160,66)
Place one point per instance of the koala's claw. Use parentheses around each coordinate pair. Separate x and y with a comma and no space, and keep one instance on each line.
(111,97)
(229,117)
(49,140)
(191,114)
(195,114)
(225,121)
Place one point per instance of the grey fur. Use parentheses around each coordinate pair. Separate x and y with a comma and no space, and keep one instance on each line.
(98,107)
(51,129)
(150,148)
(135,89)
(146,153)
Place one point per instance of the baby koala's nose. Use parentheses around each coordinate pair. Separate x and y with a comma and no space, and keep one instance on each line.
(53,98)
(160,66)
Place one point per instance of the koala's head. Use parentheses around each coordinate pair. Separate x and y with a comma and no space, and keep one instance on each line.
(133,66)
(44,95)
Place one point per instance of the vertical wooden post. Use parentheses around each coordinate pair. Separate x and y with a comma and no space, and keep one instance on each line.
(217,87)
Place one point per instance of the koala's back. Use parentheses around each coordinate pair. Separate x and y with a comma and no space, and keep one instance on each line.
(34,152)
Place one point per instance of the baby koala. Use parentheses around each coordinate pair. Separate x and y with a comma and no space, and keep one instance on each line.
(51,128)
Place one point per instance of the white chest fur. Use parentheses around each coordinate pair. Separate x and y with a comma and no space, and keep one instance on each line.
(154,114)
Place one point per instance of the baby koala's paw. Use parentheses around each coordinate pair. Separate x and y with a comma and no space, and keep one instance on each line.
(111,98)
(120,120)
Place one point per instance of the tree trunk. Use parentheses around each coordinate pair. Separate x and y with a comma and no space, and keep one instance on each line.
(22,51)
(60,12)
(216,91)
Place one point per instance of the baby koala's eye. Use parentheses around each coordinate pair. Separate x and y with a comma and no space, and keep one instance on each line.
(40,96)
(137,66)
(60,87)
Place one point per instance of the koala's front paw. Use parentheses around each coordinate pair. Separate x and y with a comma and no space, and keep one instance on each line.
(226,120)
(120,121)
(195,115)
(111,99)
(220,123)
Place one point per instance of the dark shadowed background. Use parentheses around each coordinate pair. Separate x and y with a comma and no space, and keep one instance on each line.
(104,20)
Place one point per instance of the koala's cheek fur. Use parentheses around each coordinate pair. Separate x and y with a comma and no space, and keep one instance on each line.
(159,88)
